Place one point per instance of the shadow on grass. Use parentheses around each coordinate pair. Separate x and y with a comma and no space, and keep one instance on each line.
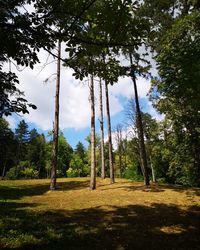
(155,187)
(181,189)
(72,185)
(130,227)
(151,188)
(19,191)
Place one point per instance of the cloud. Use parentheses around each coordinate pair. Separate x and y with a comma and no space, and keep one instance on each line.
(74,95)
(125,88)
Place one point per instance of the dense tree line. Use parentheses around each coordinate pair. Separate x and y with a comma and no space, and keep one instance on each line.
(27,154)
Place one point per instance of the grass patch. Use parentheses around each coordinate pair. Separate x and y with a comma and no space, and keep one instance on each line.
(125,215)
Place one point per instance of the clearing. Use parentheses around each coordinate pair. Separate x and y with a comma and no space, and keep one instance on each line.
(125,215)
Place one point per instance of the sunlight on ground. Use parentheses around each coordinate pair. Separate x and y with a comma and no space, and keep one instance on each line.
(175,229)
(124,215)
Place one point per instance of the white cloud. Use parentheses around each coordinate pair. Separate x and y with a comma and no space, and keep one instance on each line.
(125,88)
(74,96)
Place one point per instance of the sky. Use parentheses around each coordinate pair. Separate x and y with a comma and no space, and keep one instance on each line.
(74,100)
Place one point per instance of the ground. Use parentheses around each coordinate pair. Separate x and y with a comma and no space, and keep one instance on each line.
(124,215)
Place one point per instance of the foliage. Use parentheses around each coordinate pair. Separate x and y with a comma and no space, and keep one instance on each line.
(178,96)
(8,146)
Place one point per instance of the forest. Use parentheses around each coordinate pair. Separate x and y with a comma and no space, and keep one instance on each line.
(135,185)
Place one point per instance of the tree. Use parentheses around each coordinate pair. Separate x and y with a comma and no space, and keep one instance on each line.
(119,147)
(8,147)
(80,150)
(56,124)
(139,126)
(112,177)
(93,146)
(18,45)
(36,152)
(102,131)
(65,154)
(178,95)
(22,137)
(151,133)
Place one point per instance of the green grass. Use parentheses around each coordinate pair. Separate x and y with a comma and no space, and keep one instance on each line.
(125,215)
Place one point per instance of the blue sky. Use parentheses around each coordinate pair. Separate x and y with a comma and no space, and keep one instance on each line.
(74,100)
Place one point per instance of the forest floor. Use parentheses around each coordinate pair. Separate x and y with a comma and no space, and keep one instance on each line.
(124,215)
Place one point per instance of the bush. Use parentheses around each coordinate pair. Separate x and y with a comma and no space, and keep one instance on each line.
(131,174)
(72,173)
(30,173)
(13,173)
(21,172)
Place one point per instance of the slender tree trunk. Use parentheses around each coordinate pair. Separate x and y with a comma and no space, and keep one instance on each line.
(112,177)
(152,171)
(140,130)
(125,153)
(119,146)
(4,168)
(56,125)
(93,146)
(102,132)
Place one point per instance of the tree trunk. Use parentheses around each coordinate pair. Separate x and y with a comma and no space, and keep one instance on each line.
(125,153)
(102,132)
(93,146)
(112,178)
(56,125)
(152,171)
(140,129)
(4,168)
(119,146)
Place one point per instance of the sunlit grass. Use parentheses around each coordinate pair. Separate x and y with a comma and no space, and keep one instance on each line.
(110,217)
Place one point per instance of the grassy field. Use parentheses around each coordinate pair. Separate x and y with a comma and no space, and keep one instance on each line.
(125,215)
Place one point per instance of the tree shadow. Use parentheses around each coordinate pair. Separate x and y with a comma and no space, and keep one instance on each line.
(129,227)
(151,188)
(72,185)
(19,191)
(190,191)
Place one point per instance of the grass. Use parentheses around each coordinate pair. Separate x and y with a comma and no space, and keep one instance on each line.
(125,215)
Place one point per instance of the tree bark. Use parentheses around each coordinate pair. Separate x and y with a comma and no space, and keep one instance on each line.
(56,125)
(93,146)
(119,146)
(139,124)
(102,131)
(4,167)
(152,171)
(112,177)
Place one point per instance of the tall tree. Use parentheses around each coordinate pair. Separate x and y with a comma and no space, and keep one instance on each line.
(178,93)
(56,124)
(8,147)
(65,153)
(139,125)
(119,141)
(93,147)
(80,150)
(151,133)
(111,164)
(36,153)
(22,137)
(102,131)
